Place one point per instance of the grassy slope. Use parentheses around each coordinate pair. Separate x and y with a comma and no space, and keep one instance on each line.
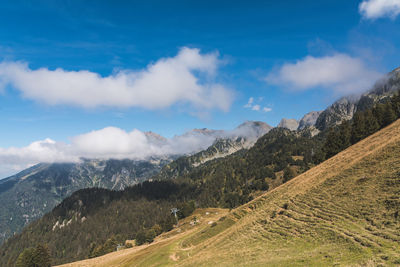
(163,247)
(343,212)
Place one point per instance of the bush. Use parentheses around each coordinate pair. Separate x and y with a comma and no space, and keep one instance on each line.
(150,235)
(140,238)
(157,228)
(168,223)
(186,209)
(288,174)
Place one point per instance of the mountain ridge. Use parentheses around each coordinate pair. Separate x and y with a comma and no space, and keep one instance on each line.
(346,107)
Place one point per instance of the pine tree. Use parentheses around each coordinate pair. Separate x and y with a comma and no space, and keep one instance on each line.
(396,104)
(332,143)
(371,123)
(378,112)
(34,257)
(389,115)
(344,135)
(25,259)
(358,127)
(41,256)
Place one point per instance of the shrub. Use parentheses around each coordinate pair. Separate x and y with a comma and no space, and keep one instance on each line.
(150,235)
(140,237)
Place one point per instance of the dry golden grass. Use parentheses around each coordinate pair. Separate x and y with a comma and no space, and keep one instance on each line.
(344,212)
(124,257)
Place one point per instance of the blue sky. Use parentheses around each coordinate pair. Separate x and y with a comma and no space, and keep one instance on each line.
(276,52)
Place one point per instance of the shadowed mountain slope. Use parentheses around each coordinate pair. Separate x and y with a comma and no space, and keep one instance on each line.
(28,195)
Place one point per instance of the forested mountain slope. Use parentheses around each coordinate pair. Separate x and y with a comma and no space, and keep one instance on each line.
(30,194)
(342,212)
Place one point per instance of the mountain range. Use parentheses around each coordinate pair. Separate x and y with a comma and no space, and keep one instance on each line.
(31,193)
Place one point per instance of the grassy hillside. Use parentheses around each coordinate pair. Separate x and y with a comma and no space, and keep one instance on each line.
(343,212)
(163,245)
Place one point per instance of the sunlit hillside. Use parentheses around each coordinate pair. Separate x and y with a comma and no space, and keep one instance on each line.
(343,212)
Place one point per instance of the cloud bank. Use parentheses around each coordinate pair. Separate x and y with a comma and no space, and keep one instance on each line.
(340,73)
(112,142)
(374,9)
(187,78)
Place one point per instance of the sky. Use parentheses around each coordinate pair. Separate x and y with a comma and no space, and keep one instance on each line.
(93,76)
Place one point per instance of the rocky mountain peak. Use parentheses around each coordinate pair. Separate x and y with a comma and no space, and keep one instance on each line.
(290,124)
(309,119)
(155,136)
(252,129)
(344,108)
(396,70)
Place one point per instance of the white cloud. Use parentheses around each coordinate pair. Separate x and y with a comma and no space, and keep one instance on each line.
(374,9)
(188,78)
(256,107)
(340,72)
(249,103)
(112,142)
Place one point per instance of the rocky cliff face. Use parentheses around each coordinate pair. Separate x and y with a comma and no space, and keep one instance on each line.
(309,119)
(290,124)
(344,108)
(242,137)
